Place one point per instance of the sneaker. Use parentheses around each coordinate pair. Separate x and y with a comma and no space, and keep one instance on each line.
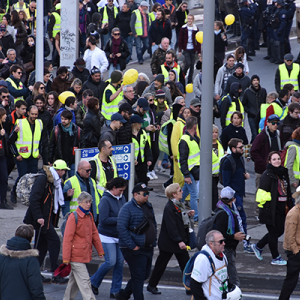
(160,169)
(149,175)
(166,166)
(248,249)
(154,175)
(46,280)
(95,290)
(278,261)
(257,251)
(59,280)
(5,206)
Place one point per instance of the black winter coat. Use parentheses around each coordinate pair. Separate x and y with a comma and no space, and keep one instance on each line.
(123,49)
(7,42)
(156,35)
(269,183)
(172,230)
(20,276)
(123,22)
(96,87)
(253,99)
(83,76)
(55,148)
(91,130)
(124,134)
(3,142)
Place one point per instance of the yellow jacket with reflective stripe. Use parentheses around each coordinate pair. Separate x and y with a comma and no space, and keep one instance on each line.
(139,22)
(165,72)
(109,108)
(286,78)
(18,8)
(28,16)
(20,87)
(152,17)
(56,27)
(216,159)
(194,152)
(140,147)
(100,173)
(27,143)
(262,197)
(296,164)
(105,15)
(231,110)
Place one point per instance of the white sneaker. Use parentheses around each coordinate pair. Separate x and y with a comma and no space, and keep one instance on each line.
(149,175)
(154,175)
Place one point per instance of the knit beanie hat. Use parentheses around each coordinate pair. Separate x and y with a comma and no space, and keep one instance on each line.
(160,78)
(255,76)
(160,94)
(116,76)
(239,65)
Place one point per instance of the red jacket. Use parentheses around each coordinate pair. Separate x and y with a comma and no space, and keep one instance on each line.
(183,39)
(78,239)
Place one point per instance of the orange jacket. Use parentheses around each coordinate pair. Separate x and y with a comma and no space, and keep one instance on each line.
(78,239)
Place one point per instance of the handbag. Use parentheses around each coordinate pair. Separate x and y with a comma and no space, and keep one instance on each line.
(142,227)
(195,172)
(28,67)
(192,239)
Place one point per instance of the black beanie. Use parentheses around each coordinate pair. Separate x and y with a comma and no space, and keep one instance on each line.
(239,65)
(116,76)
(176,108)
(160,78)
(255,76)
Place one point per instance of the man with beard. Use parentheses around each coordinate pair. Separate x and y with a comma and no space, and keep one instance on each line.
(124,133)
(254,96)
(231,103)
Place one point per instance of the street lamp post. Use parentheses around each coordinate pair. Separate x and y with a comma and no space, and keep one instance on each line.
(39,55)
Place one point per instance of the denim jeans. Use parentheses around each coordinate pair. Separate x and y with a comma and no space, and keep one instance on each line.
(253,128)
(129,41)
(113,259)
(174,39)
(138,44)
(112,68)
(193,190)
(105,37)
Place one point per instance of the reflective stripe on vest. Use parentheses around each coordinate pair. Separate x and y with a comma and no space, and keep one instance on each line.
(109,108)
(18,8)
(100,173)
(286,78)
(216,159)
(20,87)
(138,22)
(140,147)
(105,15)
(231,110)
(163,137)
(56,27)
(24,140)
(194,152)
(165,72)
(296,166)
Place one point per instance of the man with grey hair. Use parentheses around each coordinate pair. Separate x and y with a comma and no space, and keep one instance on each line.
(291,244)
(203,284)
(128,95)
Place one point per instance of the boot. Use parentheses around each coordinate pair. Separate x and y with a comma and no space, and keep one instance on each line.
(251,48)
(13,197)
(4,205)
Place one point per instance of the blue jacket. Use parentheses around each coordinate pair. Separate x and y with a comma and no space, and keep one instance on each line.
(131,215)
(57,118)
(67,186)
(109,208)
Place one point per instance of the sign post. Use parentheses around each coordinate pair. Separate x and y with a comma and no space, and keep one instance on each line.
(124,158)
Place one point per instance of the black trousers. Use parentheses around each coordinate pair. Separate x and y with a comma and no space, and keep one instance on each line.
(162,262)
(48,242)
(215,195)
(292,275)
(274,232)
(155,153)
(189,63)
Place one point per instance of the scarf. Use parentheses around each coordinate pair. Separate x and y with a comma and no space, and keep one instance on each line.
(278,171)
(58,193)
(231,214)
(68,129)
(296,141)
(115,49)
(84,210)
(181,209)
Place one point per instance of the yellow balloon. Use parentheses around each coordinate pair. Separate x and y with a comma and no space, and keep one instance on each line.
(130,76)
(199,37)
(64,95)
(189,88)
(229,19)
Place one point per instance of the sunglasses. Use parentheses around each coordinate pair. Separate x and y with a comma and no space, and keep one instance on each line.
(20,72)
(274,123)
(3,97)
(88,170)
(289,60)
(42,87)
(145,194)
(184,6)
(220,241)
(116,34)
(241,147)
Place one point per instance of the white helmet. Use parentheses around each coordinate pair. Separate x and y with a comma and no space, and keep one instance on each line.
(234,293)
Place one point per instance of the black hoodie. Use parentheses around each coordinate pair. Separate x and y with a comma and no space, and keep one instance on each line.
(96,87)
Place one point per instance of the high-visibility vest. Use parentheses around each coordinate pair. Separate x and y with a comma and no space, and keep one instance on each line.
(24,142)
(109,108)
(163,137)
(185,20)
(296,165)
(77,191)
(20,87)
(139,23)
(100,173)
(286,78)
(231,110)
(165,102)
(140,147)
(217,158)
(165,72)
(194,152)
(105,15)
(152,17)
(28,16)
(18,8)
(280,112)
(262,197)
(263,114)
(56,27)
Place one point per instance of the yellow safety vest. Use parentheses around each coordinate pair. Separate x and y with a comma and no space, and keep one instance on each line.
(18,8)
(28,16)
(231,110)
(105,15)
(25,145)
(262,197)
(109,108)
(166,104)
(216,159)
(296,165)
(280,112)
(140,147)
(194,152)
(56,27)
(20,87)
(185,20)
(77,191)
(286,78)
(138,23)
(263,112)
(152,17)
(165,72)
(100,173)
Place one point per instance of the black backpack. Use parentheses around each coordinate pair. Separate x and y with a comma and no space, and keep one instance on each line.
(233,164)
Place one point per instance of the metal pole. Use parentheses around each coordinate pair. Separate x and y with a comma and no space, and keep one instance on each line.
(205,184)
(39,49)
(132,170)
